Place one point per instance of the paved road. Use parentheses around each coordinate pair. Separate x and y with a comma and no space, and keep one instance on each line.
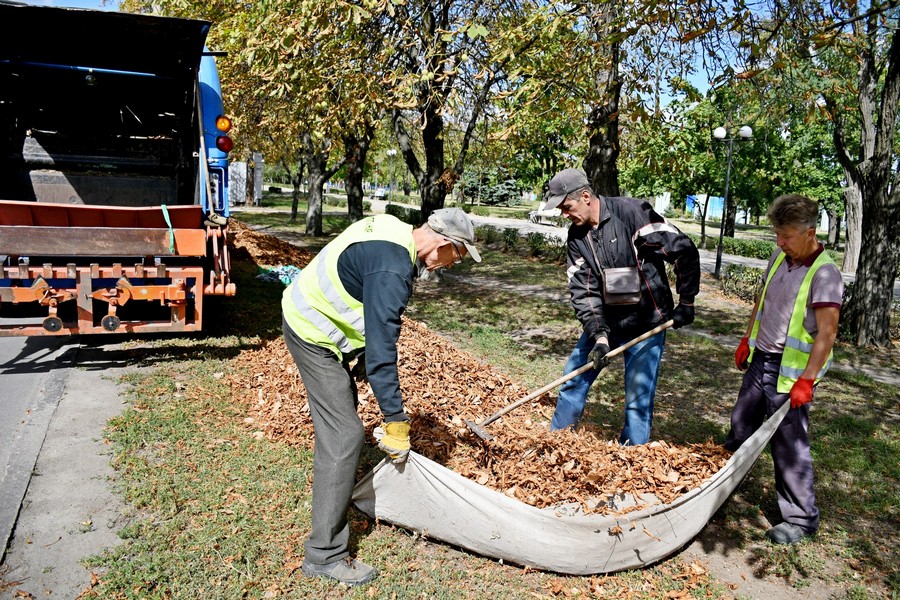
(56,503)
(707,257)
(33,373)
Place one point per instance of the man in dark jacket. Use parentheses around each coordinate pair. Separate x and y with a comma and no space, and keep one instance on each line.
(616,255)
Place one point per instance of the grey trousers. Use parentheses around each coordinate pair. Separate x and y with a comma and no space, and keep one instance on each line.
(758,400)
(339,438)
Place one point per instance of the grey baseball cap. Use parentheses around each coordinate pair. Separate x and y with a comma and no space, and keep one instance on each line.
(564,183)
(455,224)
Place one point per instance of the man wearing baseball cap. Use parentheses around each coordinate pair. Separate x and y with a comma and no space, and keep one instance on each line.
(616,253)
(345,305)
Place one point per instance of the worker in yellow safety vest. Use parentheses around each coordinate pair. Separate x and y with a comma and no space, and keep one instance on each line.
(786,350)
(345,307)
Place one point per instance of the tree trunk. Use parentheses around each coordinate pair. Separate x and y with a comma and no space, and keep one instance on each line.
(319,172)
(872,197)
(868,312)
(853,216)
(703,223)
(297,181)
(435,179)
(316,162)
(730,216)
(834,228)
(314,199)
(356,148)
(603,120)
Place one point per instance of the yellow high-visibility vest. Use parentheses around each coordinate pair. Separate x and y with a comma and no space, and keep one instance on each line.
(316,305)
(799,342)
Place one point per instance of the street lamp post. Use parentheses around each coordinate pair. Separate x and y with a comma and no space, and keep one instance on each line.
(721,134)
(391,154)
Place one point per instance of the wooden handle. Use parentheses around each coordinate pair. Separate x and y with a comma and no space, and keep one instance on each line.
(575,373)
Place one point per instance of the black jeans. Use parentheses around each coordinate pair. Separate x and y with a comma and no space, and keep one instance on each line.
(757,401)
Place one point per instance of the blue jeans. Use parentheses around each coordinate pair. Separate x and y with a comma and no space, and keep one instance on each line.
(641,374)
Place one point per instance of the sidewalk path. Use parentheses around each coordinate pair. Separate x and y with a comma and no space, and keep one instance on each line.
(707,257)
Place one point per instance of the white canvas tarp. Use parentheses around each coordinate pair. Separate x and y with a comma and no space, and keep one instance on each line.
(428,498)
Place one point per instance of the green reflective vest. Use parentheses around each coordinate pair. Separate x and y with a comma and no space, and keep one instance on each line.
(799,342)
(316,305)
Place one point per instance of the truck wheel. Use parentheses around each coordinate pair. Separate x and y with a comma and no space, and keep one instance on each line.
(52,324)
(110,322)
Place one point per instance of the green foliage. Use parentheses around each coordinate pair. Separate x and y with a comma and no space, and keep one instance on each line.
(749,248)
(487,233)
(742,282)
(492,188)
(511,239)
(481,211)
(413,216)
(537,243)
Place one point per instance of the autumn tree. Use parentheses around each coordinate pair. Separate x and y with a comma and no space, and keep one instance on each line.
(447,62)
(844,59)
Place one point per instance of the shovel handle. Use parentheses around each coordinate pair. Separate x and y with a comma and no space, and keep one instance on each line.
(575,373)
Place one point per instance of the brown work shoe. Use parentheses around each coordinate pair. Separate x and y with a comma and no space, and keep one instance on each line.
(347,570)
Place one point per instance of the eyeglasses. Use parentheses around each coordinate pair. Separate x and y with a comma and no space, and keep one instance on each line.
(459,257)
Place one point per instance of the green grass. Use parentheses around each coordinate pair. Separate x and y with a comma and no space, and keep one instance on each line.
(219,512)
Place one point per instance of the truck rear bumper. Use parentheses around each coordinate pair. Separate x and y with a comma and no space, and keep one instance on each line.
(98,294)
(64,267)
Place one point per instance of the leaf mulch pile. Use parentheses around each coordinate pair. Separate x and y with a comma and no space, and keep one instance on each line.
(267,249)
(442,387)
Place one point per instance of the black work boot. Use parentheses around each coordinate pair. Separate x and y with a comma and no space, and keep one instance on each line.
(788,533)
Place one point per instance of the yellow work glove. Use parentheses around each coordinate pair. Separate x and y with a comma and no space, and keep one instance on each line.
(393,438)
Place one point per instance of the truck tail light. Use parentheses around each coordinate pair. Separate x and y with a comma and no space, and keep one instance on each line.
(224,143)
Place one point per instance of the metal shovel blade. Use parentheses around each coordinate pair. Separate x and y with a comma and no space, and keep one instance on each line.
(479,430)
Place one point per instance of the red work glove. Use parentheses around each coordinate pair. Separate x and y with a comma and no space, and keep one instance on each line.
(801,392)
(742,354)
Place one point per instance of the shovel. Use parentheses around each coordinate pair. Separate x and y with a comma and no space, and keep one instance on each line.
(480,431)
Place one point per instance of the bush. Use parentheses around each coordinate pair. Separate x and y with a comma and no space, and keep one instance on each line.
(760,249)
(517,214)
(555,250)
(481,211)
(742,282)
(487,233)
(510,239)
(537,243)
(413,216)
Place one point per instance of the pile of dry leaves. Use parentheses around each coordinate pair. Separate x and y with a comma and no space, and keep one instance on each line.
(267,249)
(442,387)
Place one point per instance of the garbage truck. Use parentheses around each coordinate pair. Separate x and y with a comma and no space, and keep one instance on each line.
(113,173)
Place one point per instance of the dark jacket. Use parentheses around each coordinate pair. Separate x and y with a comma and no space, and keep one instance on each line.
(627,224)
(380,275)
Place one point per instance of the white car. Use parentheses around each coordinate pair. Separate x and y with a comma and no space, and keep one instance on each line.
(544,216)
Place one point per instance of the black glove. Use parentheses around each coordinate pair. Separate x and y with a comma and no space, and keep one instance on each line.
(598,355)
(683,315)
(359,369)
